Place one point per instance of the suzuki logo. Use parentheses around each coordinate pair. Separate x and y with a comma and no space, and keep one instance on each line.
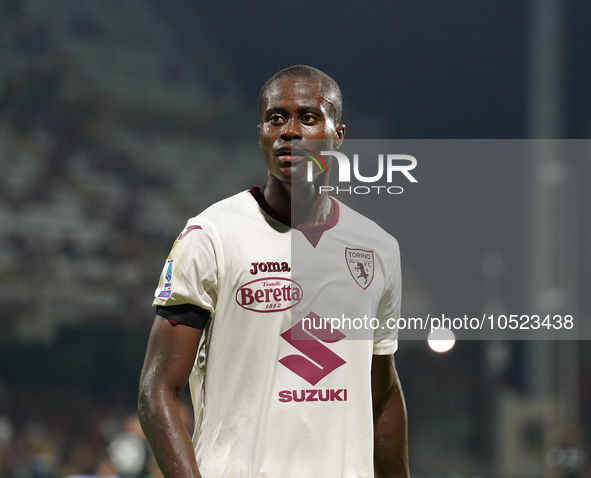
(319,360)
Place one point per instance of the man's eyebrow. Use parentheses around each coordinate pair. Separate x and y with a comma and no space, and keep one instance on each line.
(301,109)
(309,108)
(271,109)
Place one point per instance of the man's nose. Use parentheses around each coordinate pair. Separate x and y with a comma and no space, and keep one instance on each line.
(291,130)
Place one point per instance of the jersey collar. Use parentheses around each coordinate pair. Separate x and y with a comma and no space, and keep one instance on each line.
(260,199)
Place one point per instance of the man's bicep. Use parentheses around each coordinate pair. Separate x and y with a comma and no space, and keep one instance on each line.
(389,415)
(383,378)
(170,355)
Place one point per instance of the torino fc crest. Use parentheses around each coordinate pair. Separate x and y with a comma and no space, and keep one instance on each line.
(361,264)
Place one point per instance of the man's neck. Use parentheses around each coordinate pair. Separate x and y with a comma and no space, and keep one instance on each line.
(302,205)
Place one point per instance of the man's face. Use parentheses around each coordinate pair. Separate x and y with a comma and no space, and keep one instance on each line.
(296,110)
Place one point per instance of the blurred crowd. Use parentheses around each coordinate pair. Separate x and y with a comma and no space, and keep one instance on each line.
(87,206)
(54,155)
(74,433)
(88,210)
(63,236)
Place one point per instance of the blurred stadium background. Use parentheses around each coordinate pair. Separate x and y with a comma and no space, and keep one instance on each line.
(119,119)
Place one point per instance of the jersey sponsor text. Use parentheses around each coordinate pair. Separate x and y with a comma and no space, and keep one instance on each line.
(269,294)
(269,267)
(314,395)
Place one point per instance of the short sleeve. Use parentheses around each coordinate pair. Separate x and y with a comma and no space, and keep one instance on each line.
(191,272)
(386,335)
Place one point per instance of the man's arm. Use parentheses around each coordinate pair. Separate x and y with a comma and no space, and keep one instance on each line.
(169,359)
(389,420)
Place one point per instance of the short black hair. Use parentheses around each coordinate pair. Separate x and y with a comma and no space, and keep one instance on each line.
(303,71)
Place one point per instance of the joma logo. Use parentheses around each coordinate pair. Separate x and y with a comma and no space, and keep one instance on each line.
(269,267)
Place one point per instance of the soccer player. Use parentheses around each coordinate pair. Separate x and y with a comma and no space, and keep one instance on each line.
(267,404)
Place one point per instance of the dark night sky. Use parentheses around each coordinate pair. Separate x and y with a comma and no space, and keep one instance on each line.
(422,69)
(415,69)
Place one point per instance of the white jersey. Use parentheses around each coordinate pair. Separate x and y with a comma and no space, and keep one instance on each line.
(267,404)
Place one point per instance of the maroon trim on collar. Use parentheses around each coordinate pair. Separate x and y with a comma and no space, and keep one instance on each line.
(260,198)
(313,237)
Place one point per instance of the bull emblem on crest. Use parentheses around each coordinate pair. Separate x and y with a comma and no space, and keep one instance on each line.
(361,265)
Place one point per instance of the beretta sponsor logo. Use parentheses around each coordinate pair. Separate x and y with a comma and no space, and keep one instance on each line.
(269,294)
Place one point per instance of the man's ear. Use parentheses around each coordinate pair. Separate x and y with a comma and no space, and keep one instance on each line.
(339,136)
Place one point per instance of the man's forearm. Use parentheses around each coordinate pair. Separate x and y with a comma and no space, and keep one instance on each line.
(390,435)
(166,433)
(169,358)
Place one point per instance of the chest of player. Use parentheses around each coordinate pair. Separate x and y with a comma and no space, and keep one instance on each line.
(280,272)
(339,277)
(257,273)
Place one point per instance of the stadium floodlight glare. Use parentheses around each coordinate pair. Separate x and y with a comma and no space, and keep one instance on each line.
(441,340)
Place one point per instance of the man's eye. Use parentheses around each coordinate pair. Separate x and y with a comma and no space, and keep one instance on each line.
(275,119)
(309,118)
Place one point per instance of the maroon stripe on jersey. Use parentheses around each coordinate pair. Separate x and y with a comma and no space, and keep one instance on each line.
(188,230)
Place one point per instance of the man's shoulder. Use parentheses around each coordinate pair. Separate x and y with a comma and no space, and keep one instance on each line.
(357,223)
(224,215)
(227,209)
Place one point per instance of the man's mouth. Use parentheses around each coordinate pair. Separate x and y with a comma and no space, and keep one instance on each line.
(290,156)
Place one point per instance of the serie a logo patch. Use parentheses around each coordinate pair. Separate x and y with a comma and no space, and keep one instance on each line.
(166,289)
